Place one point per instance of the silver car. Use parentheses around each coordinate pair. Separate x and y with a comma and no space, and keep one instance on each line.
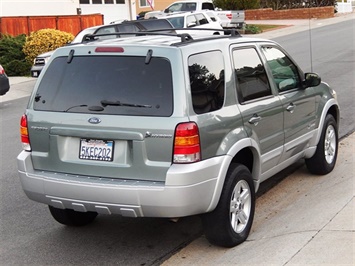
(171,126)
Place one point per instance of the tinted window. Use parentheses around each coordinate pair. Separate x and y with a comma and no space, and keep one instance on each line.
(177,22)
(208,6)
(174,8)
(189,7)
(250,75)
(84,84)
(284,72)
(201,19)
(207,81)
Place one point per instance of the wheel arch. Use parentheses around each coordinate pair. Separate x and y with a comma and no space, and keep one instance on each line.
(245,152)
(331,107)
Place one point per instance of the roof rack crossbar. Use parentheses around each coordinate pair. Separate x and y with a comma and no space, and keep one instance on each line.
(184,37)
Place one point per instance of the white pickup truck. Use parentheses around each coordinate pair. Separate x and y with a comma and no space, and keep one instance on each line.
(227,18)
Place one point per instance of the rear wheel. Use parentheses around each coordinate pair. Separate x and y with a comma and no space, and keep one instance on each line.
(323,161)
(230,223)
(71,217)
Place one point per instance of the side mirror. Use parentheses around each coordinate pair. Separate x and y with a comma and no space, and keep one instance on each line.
(191,24)
(311,80)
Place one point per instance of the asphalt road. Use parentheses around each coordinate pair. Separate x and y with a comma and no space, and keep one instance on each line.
(29,235)
(330,52)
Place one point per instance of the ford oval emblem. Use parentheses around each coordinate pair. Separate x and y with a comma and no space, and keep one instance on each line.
(94,120)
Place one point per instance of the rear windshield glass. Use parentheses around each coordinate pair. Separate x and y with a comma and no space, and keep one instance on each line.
(119,85)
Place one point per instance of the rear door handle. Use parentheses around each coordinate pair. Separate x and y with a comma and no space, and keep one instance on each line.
(291,107)
(255,119)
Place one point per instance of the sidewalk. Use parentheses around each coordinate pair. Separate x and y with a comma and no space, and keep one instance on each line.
(18,88)
(297,25)
(304,220)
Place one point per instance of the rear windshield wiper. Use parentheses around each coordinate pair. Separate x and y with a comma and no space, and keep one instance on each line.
(105,103)
(90,108)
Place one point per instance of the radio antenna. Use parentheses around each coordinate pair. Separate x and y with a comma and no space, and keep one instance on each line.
(310,34)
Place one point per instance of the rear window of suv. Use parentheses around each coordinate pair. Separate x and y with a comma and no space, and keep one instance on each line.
(118,85)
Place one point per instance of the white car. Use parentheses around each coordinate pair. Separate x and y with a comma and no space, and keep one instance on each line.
(196,20)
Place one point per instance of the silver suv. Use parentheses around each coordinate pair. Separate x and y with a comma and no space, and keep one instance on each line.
(168,125)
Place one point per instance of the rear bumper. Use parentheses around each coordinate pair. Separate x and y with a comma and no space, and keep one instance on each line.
(188,190)
(36,70)
(4,84)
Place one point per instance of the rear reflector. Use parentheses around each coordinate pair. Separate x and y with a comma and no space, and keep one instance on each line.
(24,134)
(187,143)
(109,50)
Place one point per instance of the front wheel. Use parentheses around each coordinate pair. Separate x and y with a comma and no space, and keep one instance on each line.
(323,161)
(230,223)
(71,217)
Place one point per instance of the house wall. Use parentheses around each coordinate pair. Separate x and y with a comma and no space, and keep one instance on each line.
(111,12)
(158,5)
(38,7)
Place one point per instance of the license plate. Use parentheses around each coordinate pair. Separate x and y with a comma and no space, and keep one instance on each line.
(35,74)
(95,149)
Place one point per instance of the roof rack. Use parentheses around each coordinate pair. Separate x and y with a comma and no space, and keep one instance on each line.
(184,37)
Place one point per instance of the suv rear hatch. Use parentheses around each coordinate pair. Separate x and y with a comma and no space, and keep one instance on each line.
(104,116)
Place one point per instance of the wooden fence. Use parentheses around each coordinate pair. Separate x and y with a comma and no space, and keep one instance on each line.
(25,25)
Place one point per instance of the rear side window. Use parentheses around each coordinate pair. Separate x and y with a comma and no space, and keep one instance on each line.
(250,75)
(118,85)
(201,19)
(208,6)
(207,81)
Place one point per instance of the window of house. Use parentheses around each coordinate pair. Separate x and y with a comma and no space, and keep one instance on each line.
(143,3)
(120,1)
(108,1)
(250,75)
(284,71)
(84,1)
(207,81)
(97,1)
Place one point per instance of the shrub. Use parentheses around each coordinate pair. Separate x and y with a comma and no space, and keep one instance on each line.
(252,29)
(45,40)
(289,4)
(237,4)
(11,56)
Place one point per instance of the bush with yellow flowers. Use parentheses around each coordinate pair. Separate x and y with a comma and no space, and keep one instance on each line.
(43,41)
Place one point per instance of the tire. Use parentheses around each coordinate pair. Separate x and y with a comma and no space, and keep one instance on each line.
(323,161)
(71,217)
(230,223)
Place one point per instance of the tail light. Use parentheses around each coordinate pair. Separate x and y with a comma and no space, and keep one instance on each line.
(2,71)
(24,134)
(187,147)
(229,16)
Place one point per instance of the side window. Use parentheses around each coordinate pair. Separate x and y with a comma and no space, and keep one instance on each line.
(250,75)
(189,7)
(201,19)
(174,8)
(284,72)
(191,21)
(208,6)
(106,30)
(207,81)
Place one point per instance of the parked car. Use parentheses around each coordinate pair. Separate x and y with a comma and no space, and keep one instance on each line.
(196,20)
(229,19)
(172,126)
(121,26)
(4,82)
